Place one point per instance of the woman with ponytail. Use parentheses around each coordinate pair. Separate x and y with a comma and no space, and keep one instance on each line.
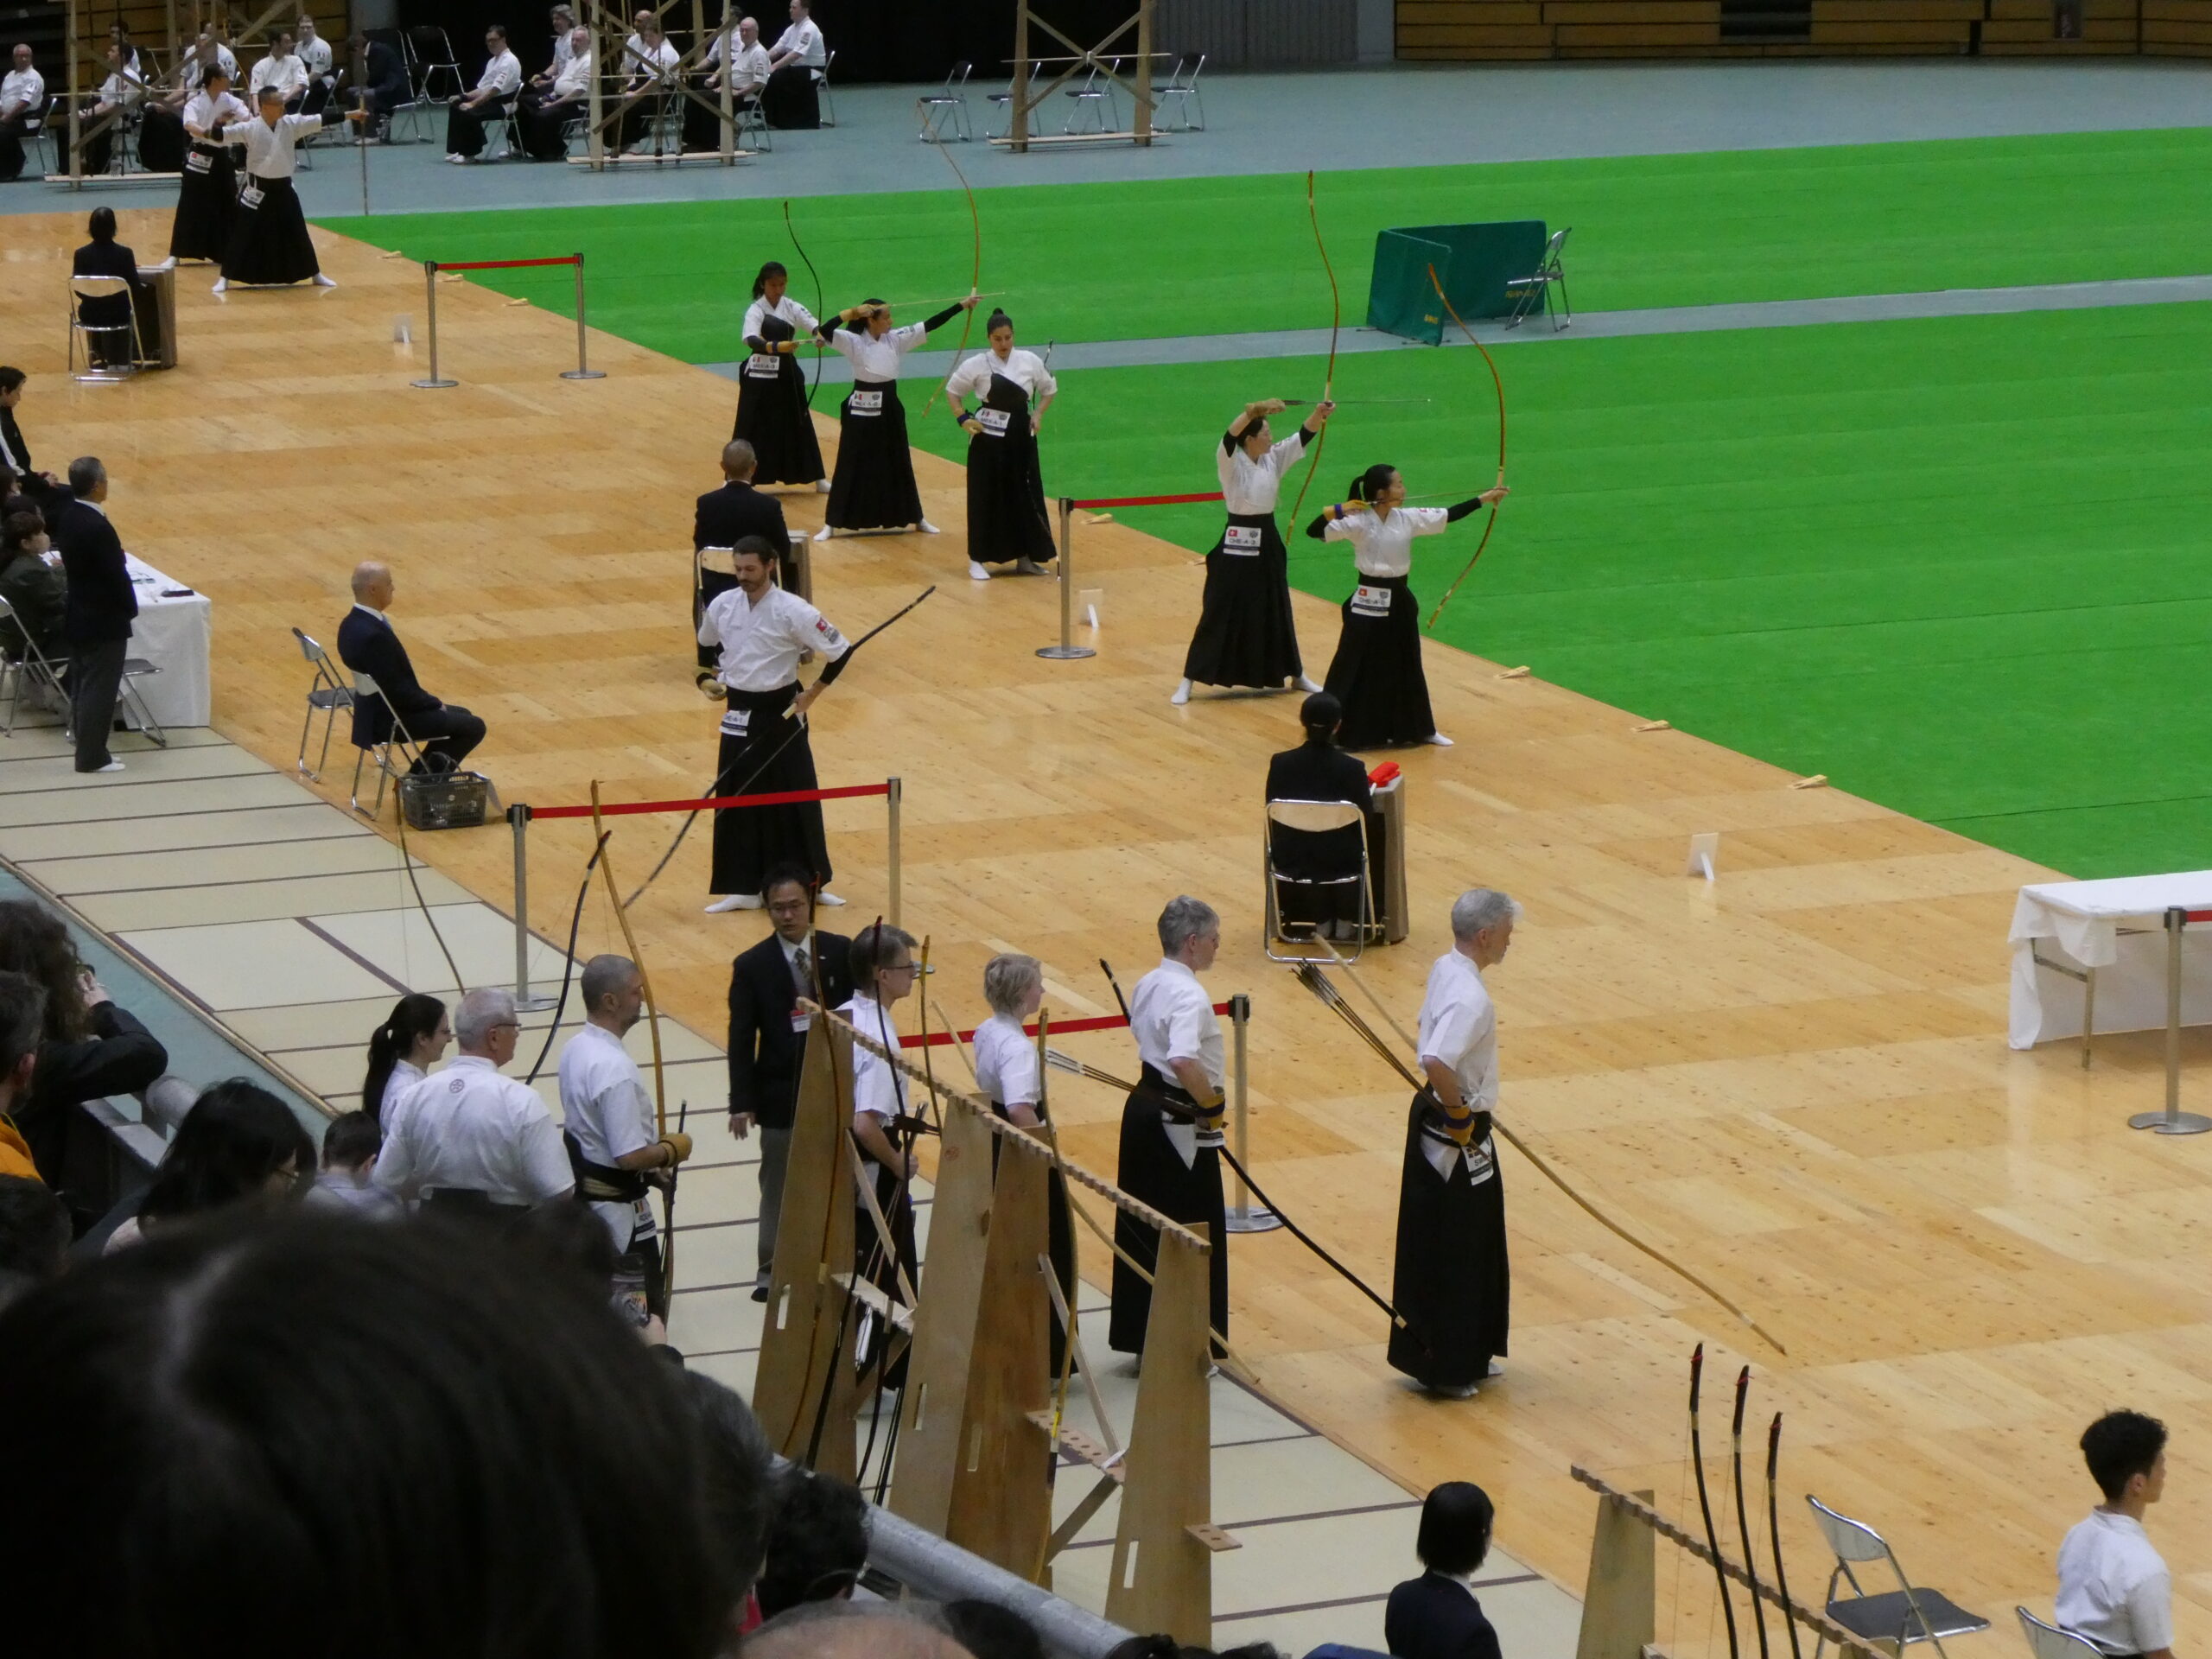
(1377,673)
(402,1051)
(772,396)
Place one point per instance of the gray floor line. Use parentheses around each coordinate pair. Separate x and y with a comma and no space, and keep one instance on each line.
(1591,325)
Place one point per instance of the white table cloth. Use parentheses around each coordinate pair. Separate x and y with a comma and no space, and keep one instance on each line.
(173,631)
(2117,928)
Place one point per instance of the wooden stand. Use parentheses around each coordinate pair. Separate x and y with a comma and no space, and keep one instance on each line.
(1025,102)
(610,29)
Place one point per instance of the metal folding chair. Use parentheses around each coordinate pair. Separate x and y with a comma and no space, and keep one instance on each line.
(49,673)
(1313,818)
(1903,1616)
(434,56)
(2052,1642)
(946,113)
(1096,98)
(388,769)
(326,695)
(750,129)
(1003,105)
(1181,94)
(40,671)
(82,289)
(1535,288)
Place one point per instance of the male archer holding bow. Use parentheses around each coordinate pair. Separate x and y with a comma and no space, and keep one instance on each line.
(1452,1281)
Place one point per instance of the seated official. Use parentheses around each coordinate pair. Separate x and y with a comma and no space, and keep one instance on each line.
(367,645)
(546,109)
(285,70)
(36,591)
(724,517)
(315,56)
(1436,1615)
(106,256)
(22,106)
(563,19)
(492,96)
(119,95)
(374,70)
(792,97)
(1319,770)
(745,66)
(650,60)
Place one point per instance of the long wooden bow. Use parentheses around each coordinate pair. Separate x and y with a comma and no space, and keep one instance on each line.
(652,1020)
(1336,322)
(975,275)
(791,231)
(1498,381)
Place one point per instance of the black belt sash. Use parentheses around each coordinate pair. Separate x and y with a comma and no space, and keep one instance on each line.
(601,1183)
(1178,1104)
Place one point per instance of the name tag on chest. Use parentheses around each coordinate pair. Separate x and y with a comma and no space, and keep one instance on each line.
(865,402)
(1370,601)
(199,161)
(250,196)
(1241,538)
(993,421)
(736,722)
(763,367)
(801,1021)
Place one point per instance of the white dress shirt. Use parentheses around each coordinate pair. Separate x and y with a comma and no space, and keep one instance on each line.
(502,76)
(195,71)
(564,49)
(1026,369)
(767,365)
(604,1104)
(1458,1030)
(872,359)
(470,1128)
(878,1087)
(1005,1062)
(749,66)
(22,92)
(1382,545)
(655,65)
(405,1074)
(315,54)
(201,113)
(1172,1018)
(2114,1587)
(271,152)
(760,643)
(288,74)
(1250,487)
(803,41)
(574,79)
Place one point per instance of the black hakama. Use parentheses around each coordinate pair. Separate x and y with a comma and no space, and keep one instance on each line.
(872,1262)
(773,417)
(162,142)
(1006,519)
(466,125)
(1059,1239)
(874,487)
(1376,672)
(1453,1282)
(750,841)
(1246,634)
(789,101)
(207,204)
(1151,1172)
(269,243)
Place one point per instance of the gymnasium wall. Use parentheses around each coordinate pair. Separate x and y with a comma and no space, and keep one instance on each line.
(1479,29)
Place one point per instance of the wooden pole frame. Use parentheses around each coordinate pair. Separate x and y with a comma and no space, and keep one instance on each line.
(608,26)
(1023,104)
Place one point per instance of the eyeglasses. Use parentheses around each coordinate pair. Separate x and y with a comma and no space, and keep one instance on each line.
(897,967)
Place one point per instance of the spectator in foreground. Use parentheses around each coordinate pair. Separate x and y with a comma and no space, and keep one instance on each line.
(350,1146)
(2114,1587)
(817,1545)
(89,1047)
(413,1039)
(990,1631)
(336,1412)
(1436,1615)
(23,1012)
(856,1630)
(34,1235)
(239,1148)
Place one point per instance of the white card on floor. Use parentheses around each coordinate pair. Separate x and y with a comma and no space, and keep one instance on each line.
(1704,855)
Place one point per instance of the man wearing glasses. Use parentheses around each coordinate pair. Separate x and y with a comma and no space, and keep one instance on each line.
(471,1137)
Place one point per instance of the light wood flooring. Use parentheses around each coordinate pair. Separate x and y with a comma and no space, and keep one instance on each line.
(1795,1079)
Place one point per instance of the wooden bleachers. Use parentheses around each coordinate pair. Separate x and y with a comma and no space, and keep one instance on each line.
(1476,29)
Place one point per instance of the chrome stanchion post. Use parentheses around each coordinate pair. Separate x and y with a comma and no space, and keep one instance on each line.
(582,371)
(893,791)
(518,819)
(1067,649)
(2173,1120)
(430,304)
(1244,1216)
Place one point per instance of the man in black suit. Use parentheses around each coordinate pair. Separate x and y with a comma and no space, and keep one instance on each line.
(106,256)
(724,517)
(1319,770)
(373,67)
(102,606)
(367,645)
(767,1033)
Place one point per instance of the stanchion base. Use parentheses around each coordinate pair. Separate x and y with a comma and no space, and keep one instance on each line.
(1065,653)
(536,1002)
(434,385)
(583,374)
(2179,1123)
(1257,1219)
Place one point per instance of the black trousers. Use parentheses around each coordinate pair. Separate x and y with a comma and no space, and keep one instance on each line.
(12,134)
(95,682)
(449,729)
(465,126)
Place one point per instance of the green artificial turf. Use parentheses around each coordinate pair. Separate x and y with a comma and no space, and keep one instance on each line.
(1958,565)
(1204,255)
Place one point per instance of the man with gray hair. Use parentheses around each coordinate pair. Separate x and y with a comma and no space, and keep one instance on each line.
(470,1137)
(1171,1125)
(1452,1281)
(102,609)
(615,1147)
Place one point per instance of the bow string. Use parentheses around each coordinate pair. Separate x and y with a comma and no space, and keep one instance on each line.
(1499,382)
(975,275)
(799,248)
(1336,324)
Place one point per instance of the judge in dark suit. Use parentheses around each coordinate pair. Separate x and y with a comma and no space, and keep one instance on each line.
(1436,1615)
(726,516)
(375,67)
(768,1035)
(367,645)
(48,493)
(104,256)
(1319,770)
(102,607)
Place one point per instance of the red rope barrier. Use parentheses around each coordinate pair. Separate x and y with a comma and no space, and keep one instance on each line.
(501,265)
(1104,1023)
(786,798)
(1145,500)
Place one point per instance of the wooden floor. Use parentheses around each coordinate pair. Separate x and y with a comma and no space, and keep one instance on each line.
(1795,1079)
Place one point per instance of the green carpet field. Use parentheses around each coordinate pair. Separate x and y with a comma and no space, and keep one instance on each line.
(1958,565)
